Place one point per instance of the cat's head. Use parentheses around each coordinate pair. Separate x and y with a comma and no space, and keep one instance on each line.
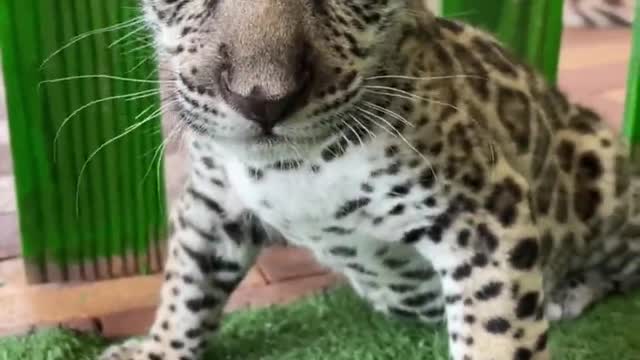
(260,74)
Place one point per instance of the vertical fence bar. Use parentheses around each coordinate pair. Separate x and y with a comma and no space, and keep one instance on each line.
(86,212)
(632,111)
(531,28)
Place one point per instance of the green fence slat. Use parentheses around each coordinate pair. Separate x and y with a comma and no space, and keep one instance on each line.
(119,220)
(531,28)
(632,111)
(552,39)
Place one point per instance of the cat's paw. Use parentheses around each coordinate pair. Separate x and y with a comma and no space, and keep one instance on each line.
(134,349)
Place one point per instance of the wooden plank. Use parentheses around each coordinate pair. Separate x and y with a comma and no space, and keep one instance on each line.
(133,298)
(51,304)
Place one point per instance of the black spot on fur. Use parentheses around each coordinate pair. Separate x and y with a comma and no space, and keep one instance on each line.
(361,269)
(504,200)
(402,313)
(176,344)
(527,305)
(367,188)
(397,210)
(351,206)
(211,204)
(402,288)
(414,235)
(524,255)
(514,108)
(585,121)
(490,291)
(193,333)
(430,201)
(427,178)
(420,300)
(475,179)
(497,325)
(488,241)
(209,263)
(391,151)
(392,263)
(480,260)
(462,272)
(565,153)
(437,312)
(424,275)
(198,304)
(589,167)
(586,202)
(287,165)
(208,162)
(256,174)
(343,251)
(541,343)
(523,354)
(234,230)
(463,238)
(400,190)
(518,334)
(338,230)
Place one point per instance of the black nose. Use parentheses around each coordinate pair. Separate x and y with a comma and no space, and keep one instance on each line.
(265,109)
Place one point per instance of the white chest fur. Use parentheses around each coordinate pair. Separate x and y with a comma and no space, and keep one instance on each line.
(303,204)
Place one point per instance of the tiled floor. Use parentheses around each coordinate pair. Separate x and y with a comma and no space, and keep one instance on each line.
(593,71)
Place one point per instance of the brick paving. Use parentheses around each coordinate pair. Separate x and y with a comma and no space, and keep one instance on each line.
(593,71)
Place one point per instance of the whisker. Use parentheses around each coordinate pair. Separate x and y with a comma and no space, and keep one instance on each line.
(158,156)
(344,136)
(372,134)
(389,112)
(399,135)
(126,132)
(126,36)
(295,149)
(102,76)
(141,94)
(431,78)
(138,48)
(142,62)
(409,96)
(361,143)
(145,111)
(75,39)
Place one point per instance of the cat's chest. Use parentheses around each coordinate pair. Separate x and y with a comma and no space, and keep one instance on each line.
(317,200)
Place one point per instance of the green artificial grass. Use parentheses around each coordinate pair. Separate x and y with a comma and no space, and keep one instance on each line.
(338,326)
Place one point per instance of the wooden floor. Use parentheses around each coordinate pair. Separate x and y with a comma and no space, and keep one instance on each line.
(593,71)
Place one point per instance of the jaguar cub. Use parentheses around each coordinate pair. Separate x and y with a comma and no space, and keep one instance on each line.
(415,155)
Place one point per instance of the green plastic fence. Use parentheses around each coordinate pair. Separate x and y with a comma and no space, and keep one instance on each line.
(115,224)
(532,28)
(632,112)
